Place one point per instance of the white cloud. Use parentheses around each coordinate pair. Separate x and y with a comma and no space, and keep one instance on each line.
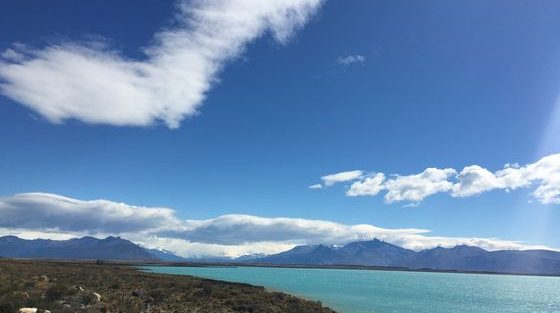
(545,173)
(412,188)
(332,179)
(473,180)
(316,186)
(241,229)
(370,186)
(415,188)
(42,215)
(420,242)
(43,234)
(470,181)
(93,83)
(187,248)
(12,54)
(350,59)
(40,211)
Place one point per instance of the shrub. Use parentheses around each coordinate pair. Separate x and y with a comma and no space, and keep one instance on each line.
(157,294)
(56,292)
(204,292)
(88,298)
(119,283)
(7,307)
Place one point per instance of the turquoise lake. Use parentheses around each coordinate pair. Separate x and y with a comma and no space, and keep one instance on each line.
(371,291)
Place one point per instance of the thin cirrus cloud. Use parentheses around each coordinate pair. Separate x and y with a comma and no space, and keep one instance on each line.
(470,181)
(44,215)
(351,59)
(94,83)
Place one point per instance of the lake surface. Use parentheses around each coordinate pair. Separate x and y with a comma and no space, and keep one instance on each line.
(361,291)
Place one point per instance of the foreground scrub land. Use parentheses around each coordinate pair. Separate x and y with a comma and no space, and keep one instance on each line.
(86,287)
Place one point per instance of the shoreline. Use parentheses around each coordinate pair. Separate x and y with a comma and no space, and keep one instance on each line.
(341,266)
(136,263)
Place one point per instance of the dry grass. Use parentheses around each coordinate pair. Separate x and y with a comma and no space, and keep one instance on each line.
(70,287)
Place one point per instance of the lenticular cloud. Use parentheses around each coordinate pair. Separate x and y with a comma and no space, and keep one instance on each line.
(92,83)
(45,215)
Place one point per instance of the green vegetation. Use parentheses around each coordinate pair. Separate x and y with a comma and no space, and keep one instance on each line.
(86,287)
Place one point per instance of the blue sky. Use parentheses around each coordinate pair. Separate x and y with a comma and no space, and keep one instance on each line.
(433,84)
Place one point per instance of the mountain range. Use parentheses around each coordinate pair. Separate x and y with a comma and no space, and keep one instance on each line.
(361,253)
(110,248)
(458,258)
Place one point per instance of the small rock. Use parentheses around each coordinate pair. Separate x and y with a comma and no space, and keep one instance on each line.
(97,296)
(27,310)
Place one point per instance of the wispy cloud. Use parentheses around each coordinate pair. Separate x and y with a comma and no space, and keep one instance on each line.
(43,215)
(470,181)
(316,186)
(351,59)
(94,83)
(329,180)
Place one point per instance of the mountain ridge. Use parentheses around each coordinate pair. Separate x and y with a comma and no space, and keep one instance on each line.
(84,248)
(459,258)
(376,253)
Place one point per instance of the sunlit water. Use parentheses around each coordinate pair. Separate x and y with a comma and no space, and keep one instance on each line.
(361,291)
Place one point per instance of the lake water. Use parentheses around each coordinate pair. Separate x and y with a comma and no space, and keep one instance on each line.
(361,291)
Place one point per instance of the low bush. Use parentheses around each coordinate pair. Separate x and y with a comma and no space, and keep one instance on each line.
(56,292)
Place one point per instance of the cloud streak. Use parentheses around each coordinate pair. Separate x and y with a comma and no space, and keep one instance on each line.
(44,215)
(351,59)
(94,83)
(329,180)
(470,181)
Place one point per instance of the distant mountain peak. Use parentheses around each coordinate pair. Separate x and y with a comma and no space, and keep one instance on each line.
(10,237)
(109,238)
(467,247)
